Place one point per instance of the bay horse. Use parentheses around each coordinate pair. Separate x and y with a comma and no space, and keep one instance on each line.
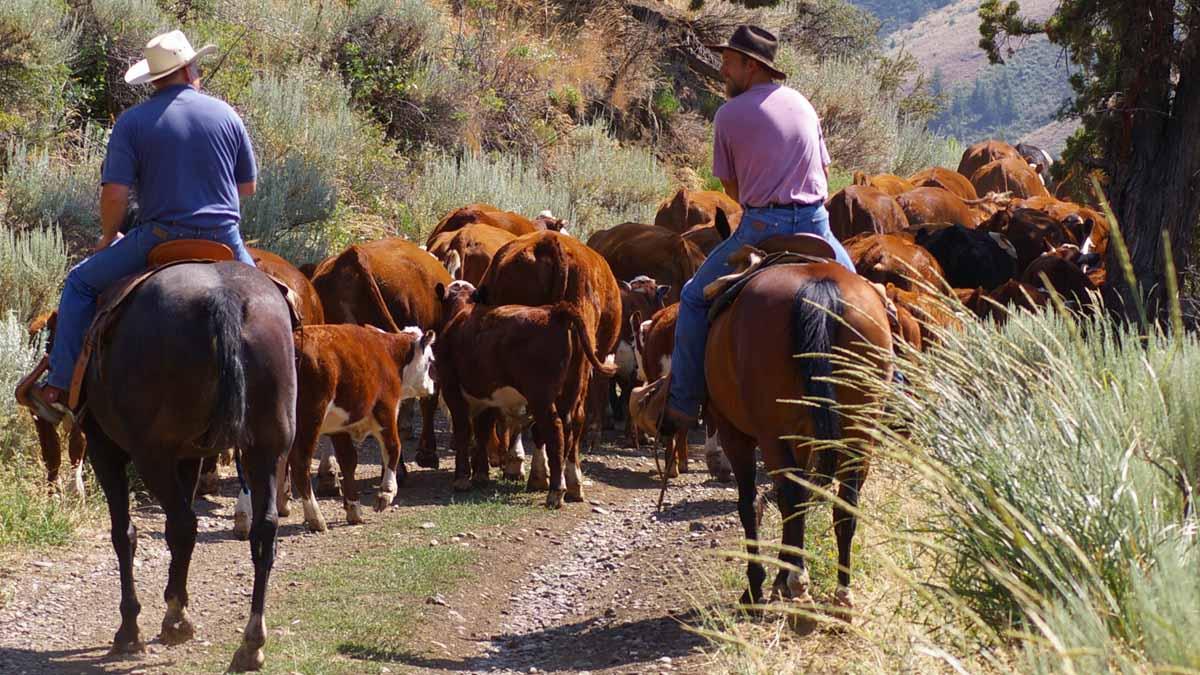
(755,377)
(200,359)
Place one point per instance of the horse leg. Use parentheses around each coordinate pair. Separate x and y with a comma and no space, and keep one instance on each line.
(242,508)
(260,473)
(547,419)
(851,476)
(51,450)
(714,457)
(740,449)
(174,484)
(347,458)
(109,462)
(283,490)
(76,447)
(427,457)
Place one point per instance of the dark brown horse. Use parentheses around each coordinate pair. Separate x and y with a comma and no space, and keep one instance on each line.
(754,367)
(200,359)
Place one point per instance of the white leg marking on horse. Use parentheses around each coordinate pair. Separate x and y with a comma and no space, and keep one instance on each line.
(77,479)
(312,514)
(241,513)
(665,364)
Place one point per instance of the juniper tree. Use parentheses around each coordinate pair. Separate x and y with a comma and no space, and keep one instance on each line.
(1137,93)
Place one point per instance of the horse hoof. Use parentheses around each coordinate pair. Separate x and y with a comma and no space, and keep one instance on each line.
(724,477)
(672,472)
(241,526)
(537,484)
(427,460)
(284,509)
(327,486)
(127,647)
(574,495)
(354,514)
(802,619)
(843,605)
(748,605)
(683,467)
(247,659)
(514,470)
(383,501)
(554,499)
(176,632)
(462,485)
(316,525)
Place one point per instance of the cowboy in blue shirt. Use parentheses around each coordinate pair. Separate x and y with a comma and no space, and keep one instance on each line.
(188,158)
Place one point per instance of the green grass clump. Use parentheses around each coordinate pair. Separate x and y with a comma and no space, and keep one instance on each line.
(58,186)
(1058,456)
(357,614)
(33,264)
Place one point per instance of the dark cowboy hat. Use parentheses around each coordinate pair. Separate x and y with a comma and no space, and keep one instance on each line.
(757,43)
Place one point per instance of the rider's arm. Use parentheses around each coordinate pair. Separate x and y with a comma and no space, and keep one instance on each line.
(114,201)
(247,189)
(731,188)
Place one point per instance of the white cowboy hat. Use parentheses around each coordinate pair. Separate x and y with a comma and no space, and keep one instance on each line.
(165,54)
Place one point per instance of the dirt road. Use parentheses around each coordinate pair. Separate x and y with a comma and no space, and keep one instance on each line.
(597,587)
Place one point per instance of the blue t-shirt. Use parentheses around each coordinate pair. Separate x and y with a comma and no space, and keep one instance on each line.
(184,153)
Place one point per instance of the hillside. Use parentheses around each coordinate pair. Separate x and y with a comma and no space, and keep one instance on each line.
(1016,101)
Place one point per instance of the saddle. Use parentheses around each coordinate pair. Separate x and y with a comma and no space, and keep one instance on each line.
(785,250)
(163,256)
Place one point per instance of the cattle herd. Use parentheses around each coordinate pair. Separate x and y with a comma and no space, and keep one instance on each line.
(520,329)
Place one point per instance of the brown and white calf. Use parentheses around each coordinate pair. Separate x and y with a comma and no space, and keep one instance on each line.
(350,382)
(521,362)
(654,341)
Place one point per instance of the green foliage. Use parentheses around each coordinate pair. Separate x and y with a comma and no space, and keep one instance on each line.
(1057,496)
(594,183)
(33,264)
(35,50)
(308,143)
(918,148)
(55,188)
(112,36)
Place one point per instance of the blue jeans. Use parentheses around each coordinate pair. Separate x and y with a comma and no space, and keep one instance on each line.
(688,388)
(94,275)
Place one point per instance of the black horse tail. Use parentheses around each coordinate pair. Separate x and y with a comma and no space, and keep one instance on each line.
(816,312)
(228,420)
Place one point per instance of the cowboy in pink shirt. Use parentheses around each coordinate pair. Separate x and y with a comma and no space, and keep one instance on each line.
(769,153)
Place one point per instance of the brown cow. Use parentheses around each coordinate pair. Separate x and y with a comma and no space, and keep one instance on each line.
(654,342)
(487,214)
(1010,175)
(1089,226)
(467,252)
(859,209)
(350,382)
(936,176)
(934,205)
(634,249)
(982,153)
(691,208)
(1030,232)
(521,361)
(1053,271)
(884,182)
(639,298)
(388,284)
(894,259)
(545,268)
(929,311)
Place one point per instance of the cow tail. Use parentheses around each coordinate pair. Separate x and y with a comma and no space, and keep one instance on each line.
(561,273)
(374,292)
(567,313)
(227,422)
(816,313)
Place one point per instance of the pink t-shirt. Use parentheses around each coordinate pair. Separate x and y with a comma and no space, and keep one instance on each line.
(769,139)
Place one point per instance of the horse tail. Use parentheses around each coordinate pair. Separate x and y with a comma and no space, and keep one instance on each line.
(228,419)
(816,313)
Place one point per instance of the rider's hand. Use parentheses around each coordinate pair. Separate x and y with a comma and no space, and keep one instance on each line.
(105,241)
